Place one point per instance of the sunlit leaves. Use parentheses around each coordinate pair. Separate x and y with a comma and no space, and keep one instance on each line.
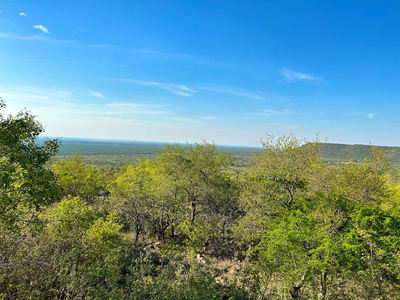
(79,179)
(25,180)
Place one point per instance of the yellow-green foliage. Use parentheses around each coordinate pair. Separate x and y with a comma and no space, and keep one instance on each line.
(104,235)
(359,181)
(78,179)
(25,181)
(281,175)
(184,226)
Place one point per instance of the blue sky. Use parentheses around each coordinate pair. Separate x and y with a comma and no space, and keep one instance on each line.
(223,71)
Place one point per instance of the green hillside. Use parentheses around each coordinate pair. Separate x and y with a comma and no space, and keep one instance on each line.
(340,152)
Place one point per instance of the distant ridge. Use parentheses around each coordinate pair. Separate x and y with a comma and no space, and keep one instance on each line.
(339,152)
(331,152)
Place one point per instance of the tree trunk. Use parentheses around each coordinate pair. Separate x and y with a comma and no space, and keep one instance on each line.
(193,214)
(323,285)
(137,232)
(295,289)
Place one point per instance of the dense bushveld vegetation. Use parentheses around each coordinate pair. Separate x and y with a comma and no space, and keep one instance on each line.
(185,225)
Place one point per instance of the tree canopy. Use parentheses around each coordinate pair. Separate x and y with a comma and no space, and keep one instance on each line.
(25,179)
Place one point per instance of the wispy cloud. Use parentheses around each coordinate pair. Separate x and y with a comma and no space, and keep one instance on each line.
(272,112)
(137,108)
(145,52)
(362,114)
(95,94)
(209,117)
(36,96)
(177,89)
(22,14)
(184,120)
(132,121)
(292,76)
(56,102)
(42,101)
(42,28)
(233,92)
(20,37)
(42,38)
(123,109)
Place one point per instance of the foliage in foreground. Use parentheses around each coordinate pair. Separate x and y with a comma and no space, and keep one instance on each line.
(25,180)
(184,226)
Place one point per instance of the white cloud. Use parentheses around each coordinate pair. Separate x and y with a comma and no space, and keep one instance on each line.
(362,114)
(20,96)
(136,108)
(95,94)
(55,102)
(42,28)
(63,114)
(144,52)
(38,37)
(177,89)
(22,14)
(184,120)
(233,92)
(292,76)
(41,101)
(272,112)
(209,117)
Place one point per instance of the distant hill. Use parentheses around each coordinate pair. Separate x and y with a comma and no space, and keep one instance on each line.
(108,153)
(340,152)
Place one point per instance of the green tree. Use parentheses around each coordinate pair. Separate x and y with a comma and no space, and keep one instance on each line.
(288,169)
(26,182)
(145,195)
(78,254)
(78,179)
(198,172)
(281,174)
(332,246)
(201,181)
(364,181)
